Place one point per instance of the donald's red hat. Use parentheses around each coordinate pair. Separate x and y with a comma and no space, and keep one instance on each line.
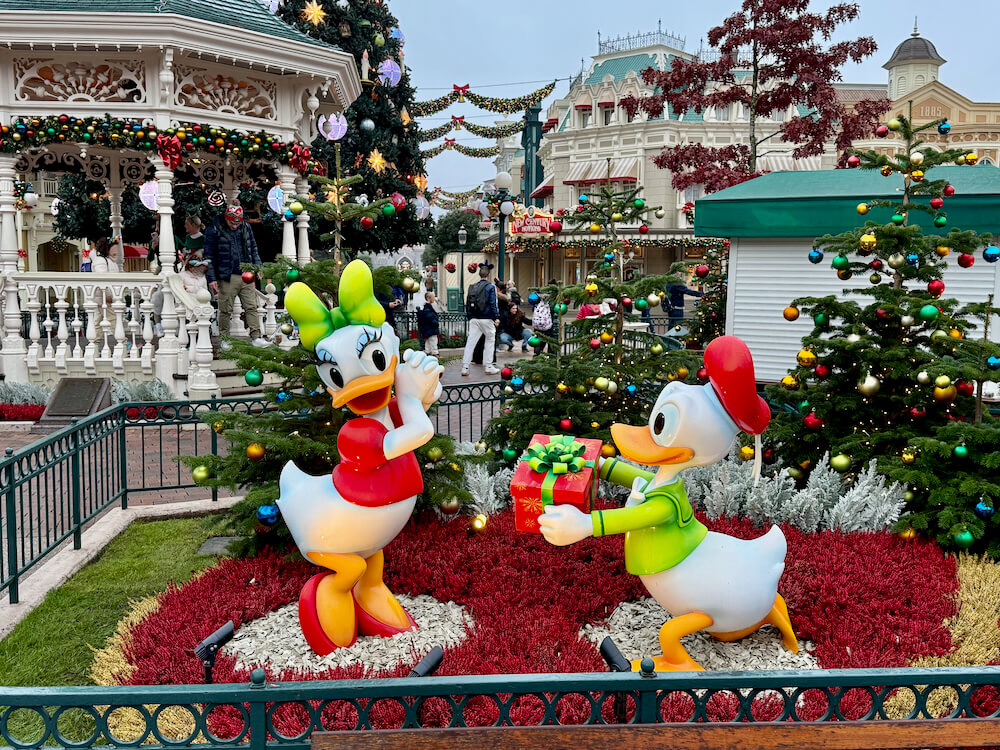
(730,371)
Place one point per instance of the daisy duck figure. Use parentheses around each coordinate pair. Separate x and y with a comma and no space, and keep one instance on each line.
(343,524)
(705,580)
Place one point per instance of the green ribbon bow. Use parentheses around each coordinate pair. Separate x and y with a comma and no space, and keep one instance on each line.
(562,455)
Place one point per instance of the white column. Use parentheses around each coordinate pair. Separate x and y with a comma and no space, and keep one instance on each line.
(202,383)
(165,209)
(286,179)
(303,224)
(115,199)
(12,356)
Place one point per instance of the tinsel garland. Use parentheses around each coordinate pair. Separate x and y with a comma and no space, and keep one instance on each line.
(498,131)
(535,244)
(432,106)
(477,153)
(509,106)
(432,152)
(462,196)
(24,133)
(434,133)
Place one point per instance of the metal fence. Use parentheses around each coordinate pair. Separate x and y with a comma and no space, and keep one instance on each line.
(261,714)
(53,488)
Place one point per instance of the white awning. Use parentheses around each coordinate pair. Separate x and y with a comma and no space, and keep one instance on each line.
(787,163)
(544,189)
(625,169)
(578,173)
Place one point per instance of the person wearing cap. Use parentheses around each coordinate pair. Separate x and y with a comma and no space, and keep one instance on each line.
(706,580)
(484,318)
(229,244)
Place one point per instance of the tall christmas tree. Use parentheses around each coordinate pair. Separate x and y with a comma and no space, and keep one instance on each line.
(900,378)
(381,144)
(601,369)
(710,311)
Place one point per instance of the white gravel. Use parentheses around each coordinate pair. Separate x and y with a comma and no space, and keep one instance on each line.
(276,639)
(635,629)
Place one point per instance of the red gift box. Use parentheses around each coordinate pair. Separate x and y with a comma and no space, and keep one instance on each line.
(566,483)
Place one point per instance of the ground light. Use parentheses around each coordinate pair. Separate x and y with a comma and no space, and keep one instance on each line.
(208,649)
(429,664)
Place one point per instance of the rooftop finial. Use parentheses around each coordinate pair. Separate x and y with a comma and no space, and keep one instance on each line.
(915,32)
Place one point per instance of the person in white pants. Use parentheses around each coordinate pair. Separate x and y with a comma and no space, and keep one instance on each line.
(484,318)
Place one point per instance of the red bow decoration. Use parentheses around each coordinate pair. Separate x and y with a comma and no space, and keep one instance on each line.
(169,149)
(298,158)
(461,91)
(449,142)
(457,121)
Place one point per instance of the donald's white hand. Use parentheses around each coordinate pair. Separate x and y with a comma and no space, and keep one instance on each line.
(565,524)
(636,496)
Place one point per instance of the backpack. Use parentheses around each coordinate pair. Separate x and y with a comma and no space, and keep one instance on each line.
(542,318)
(477,299)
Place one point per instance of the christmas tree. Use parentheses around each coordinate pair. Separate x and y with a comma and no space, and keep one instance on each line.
(381,144)
(604,368)
(899,379)
(710,311)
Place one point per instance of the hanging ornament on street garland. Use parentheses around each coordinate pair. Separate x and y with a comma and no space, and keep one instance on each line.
(216,198)
(389,72)
(333,128)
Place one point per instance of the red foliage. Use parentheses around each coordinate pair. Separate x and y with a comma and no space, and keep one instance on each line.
(772,58)
(20,412)
(865,600)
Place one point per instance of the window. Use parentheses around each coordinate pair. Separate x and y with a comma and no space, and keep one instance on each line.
(628,116)
(722,114)
(900,85)
(585,118)
(692,193)
(608,114)
(918,81)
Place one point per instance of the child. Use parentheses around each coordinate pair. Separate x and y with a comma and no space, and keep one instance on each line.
(427,325)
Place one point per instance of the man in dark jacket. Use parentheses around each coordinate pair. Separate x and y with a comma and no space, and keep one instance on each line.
(427,325)
(675,300)
(228,244)
(484,318)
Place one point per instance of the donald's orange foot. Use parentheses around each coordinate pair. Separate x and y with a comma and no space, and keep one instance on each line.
(378,611)
(675,658)
(326,605)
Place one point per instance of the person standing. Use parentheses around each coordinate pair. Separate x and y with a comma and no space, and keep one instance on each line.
(675,295)
(484,317)
(229,243)
(104,257)
(541,320)
(428,326)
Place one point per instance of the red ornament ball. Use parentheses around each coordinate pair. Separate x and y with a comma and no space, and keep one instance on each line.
(702,374)
(811,422)
(965,260)
(595,343)
(701,271)
(822,371)
(565,424)
(643,229)
(579,209)
(248,277)
(948,191)
(917,413)
(936,203)
(506,373)
(853,162)
(555,226)
(560,211)
(881,314)
(876,265)
(882,131)
(965,387)
(935,287)
(367,222)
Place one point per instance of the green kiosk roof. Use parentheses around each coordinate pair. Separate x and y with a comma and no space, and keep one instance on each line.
(811,204)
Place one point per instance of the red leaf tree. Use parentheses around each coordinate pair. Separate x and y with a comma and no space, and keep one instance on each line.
(773,54)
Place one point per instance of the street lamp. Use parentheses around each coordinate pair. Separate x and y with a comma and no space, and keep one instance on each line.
(462,237)
(503,182)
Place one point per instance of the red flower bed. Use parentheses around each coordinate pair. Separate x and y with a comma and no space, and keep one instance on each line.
(20,412)
(865,600)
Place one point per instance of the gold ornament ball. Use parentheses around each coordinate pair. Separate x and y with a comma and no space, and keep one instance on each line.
(746,453)
(607,337)
(450,506)
(917,175)
(909,496)
(201,474)
(896,261)
(908,535)
(869,386)
(841,462)
(683,372)
(435,454)
(862,208)
(790,382)
(886,171)
(916,158)
(791,313)
(508,390)
(608,451)
(255,451)
(945,395)
(287,328)
(616,216)
(942,381)
(806,358)
(595,228)
(795,472)
(218,427)
(591,289)
(908,457)
(595,425)
(868,241)
(653,300)
(612,387)
(906,321)
(971,158)
(955,333)
(960,160)
(923,377)
(455,467)
(579,389)
(562,388)
(942,250)
(659,213)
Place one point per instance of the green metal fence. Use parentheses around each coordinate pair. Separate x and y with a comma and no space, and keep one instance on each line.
(53,488)
(261,714)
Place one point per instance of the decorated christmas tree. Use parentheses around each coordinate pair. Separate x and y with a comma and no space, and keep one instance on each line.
(899,378)
(604,368)
(379,141)
(710,311)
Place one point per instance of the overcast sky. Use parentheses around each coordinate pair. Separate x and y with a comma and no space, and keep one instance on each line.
(526,44)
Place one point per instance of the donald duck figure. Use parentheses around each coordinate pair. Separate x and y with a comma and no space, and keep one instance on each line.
(706,581)
(343,524)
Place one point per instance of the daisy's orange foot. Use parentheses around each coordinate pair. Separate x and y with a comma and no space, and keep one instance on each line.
(380,613)
(326,615)
(661,664)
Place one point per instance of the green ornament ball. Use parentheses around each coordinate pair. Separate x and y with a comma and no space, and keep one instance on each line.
(509,454)
(388,209)
(639,203)
(841,462)
(296,208)
(641,304)
(928,313)
(435,454)
(534,341)
(940,221)
(579,389)
(201,474)
(960,451)
(821,319)
(254,377)
(909,496)
(894,124)
(898,219)
(964,539)
(841,262)
(292,275)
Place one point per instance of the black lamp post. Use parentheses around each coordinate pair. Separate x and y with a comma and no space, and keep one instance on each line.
(503,181)
(463,236)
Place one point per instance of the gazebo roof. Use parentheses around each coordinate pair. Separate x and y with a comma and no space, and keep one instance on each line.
(245,14)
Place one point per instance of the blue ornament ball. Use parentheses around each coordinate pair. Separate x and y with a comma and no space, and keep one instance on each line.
(983,510)
(609,257)
(815,256)
(517,383)
(993,363)
(912,259)
(289,216)
(583,199)
(282,397)
(944,128)
(534,299)
(267,514)
(991,254)
(631,390)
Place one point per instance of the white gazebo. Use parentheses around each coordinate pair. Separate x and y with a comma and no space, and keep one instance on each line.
(132,91)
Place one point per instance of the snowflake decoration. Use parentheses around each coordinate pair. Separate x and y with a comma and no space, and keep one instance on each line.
(376,161)
(314,13)
(271,5)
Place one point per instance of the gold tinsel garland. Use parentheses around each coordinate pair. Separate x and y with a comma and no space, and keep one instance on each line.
(509,106)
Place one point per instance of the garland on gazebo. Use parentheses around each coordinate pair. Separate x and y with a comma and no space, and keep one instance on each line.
(31,132)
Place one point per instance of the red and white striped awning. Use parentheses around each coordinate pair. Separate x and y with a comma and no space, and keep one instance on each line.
(545,189)
(626,169)
(578,173)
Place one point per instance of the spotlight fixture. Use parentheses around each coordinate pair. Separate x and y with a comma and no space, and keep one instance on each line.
(429,664)
(208,649)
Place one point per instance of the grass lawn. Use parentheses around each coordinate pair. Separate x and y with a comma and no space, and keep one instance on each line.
(52,645)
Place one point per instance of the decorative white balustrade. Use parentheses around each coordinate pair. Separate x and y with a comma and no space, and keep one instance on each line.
(60,325)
